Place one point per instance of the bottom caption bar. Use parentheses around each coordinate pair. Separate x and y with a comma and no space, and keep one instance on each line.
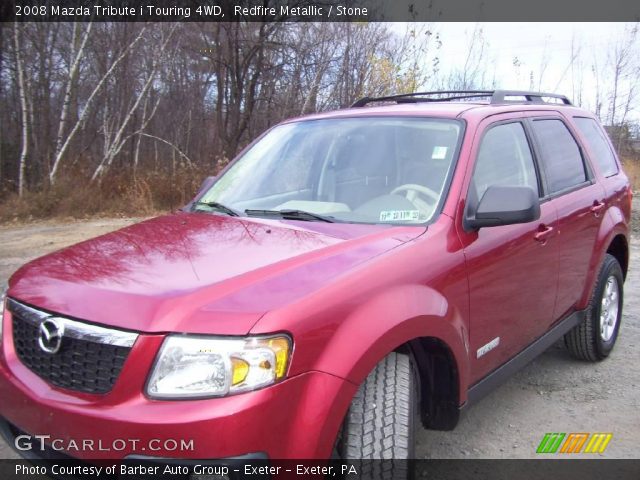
(262,468)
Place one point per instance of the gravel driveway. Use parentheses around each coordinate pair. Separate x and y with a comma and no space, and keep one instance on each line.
(553,394)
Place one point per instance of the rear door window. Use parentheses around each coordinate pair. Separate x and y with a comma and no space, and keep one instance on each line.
(561,156)
(598,144)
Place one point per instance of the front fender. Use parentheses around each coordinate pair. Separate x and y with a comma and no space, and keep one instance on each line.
(416,290)
(388,320)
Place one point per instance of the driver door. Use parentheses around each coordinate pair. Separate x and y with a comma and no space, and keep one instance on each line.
(512,269)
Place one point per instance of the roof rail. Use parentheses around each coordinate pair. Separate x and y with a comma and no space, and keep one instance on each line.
(494,96)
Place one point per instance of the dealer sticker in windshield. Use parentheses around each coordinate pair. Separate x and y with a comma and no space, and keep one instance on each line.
(399,215)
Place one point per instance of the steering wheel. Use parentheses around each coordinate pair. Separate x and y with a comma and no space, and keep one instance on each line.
(413,190)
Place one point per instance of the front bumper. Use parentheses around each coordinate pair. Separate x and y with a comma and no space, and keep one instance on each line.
(298,418)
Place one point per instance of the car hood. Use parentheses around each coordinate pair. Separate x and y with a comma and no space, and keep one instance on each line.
(184,271)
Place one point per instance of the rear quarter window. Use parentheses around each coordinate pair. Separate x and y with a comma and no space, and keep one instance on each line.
(561,156)
(596,140)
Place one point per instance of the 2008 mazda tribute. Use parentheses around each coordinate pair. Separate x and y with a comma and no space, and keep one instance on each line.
(349,275)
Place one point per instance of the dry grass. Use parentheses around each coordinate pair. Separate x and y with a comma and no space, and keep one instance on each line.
(632,169)
(120,195)
(117,195)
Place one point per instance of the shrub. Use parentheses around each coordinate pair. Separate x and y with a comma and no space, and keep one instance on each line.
(117,194)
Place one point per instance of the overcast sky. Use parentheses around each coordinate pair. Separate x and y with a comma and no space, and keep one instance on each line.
(530,43)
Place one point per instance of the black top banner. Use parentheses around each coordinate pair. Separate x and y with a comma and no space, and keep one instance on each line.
(319,10)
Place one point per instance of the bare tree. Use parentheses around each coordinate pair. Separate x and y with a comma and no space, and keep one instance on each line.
(22,92)
(114,134)
(77,51)
(544,63)
(577,78)
(114,99)
(471,74)
(88,103)
(625,66)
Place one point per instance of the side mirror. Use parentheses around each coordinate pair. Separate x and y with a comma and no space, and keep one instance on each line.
(206,184)
(505,206)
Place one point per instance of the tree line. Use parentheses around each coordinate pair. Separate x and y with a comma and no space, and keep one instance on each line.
(90,99)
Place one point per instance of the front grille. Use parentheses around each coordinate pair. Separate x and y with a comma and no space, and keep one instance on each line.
(84,363)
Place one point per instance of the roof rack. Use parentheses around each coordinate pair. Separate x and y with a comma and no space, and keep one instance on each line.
(495,97)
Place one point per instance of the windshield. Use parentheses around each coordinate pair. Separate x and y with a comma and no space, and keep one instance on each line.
(365,170)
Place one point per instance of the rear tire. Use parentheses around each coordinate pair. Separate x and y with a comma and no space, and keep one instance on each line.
(380,423)
(596,336)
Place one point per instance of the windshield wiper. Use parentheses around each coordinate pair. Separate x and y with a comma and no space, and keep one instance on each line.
(219,207)
(290,215)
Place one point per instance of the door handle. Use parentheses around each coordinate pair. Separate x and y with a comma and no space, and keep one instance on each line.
(543,234)
(597,207)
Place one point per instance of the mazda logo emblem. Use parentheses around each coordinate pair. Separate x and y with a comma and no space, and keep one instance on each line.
(50,335)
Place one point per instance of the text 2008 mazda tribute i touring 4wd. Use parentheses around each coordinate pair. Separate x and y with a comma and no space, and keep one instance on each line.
(349,275)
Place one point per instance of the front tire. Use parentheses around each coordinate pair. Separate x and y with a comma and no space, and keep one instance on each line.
(380,423)
(594,339)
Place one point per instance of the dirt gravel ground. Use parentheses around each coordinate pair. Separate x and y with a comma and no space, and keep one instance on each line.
(552,394)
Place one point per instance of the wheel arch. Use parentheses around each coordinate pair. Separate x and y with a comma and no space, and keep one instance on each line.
(612,239)
(439,382)
(619,248)
(409,318)
(413,318)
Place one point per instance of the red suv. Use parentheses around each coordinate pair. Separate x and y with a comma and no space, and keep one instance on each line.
(350,274)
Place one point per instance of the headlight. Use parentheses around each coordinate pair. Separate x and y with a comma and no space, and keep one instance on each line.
(190,366)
